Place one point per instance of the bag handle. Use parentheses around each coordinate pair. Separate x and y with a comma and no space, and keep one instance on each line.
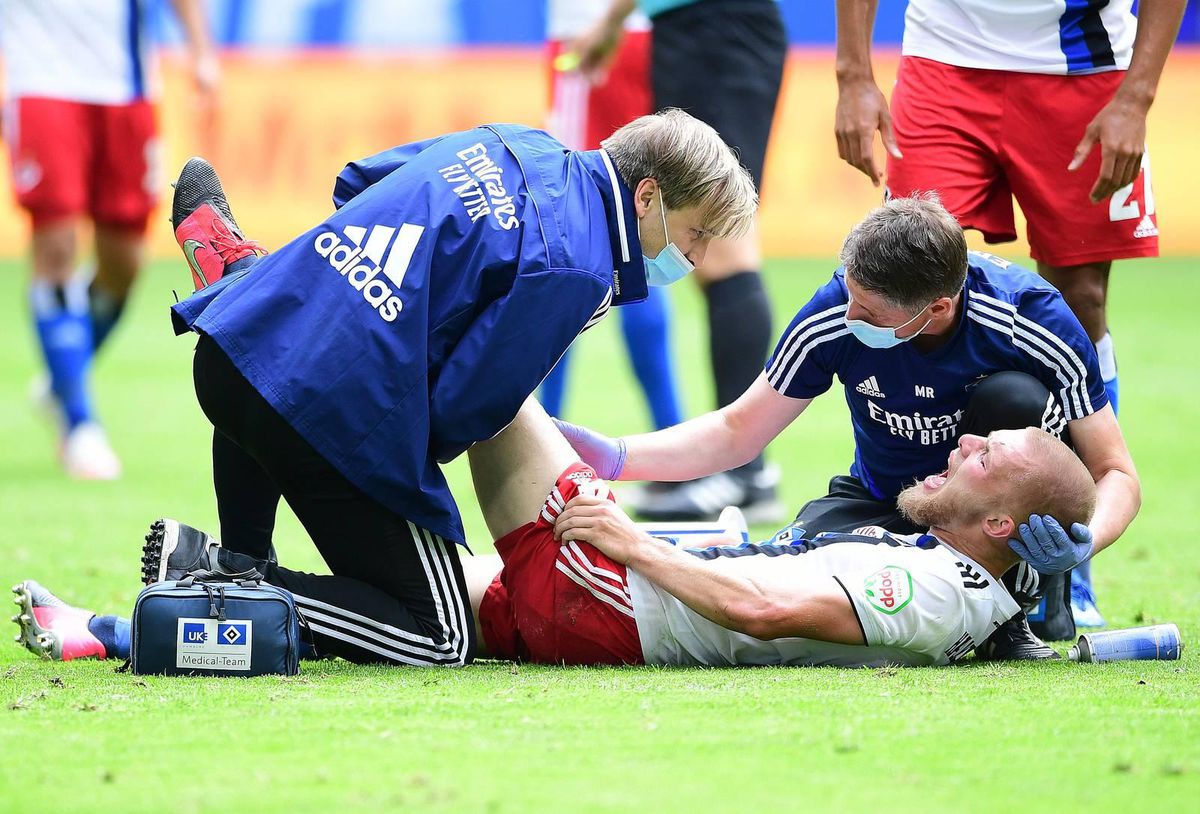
(215,610)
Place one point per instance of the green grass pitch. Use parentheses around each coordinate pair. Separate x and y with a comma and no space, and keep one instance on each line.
(502,738)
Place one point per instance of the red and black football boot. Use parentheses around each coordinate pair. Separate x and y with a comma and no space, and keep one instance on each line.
(204,227)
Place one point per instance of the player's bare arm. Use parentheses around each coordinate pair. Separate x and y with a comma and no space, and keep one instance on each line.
(1101,446)
(1120,126)
(815,609)
(713,442)
(206,70)
(595,48)
(861,108)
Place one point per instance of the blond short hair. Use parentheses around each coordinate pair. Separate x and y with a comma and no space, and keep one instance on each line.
(691,164)
(1058,485)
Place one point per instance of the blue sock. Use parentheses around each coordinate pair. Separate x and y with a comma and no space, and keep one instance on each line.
(105,309)
(64,329)
(554,387)
(113,633)
(1108,368)
(646,326)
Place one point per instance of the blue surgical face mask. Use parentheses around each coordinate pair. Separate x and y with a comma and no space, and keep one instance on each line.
(670,264)
(874,336)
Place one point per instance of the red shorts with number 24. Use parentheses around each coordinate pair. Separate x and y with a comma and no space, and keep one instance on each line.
(982,137)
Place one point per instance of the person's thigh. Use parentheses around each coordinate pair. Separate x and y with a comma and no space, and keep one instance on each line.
(1045,118)
(513,472)
(849,506)
(126,169)
(722,62)
(947,122)
(50,143)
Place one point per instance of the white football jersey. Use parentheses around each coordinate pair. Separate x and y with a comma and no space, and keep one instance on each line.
(567,19)
(1032,36)
(95,51)
(916,606)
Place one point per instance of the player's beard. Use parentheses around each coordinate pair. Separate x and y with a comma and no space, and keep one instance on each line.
(946,507)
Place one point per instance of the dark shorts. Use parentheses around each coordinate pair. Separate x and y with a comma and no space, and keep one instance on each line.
(722,61)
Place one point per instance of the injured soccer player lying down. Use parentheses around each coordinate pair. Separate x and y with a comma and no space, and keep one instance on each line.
(577,582)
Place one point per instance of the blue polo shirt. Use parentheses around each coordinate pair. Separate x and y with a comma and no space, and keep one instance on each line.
(906,405)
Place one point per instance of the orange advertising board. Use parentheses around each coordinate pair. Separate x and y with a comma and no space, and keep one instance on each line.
(287,123)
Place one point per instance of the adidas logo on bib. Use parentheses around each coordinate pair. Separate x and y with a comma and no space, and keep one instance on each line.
(870,387)
(369,265)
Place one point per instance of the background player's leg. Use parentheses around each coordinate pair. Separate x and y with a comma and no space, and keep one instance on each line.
(120,254)
(723,63)
(647,331)
(1085,288)
(60,314)
(514,471)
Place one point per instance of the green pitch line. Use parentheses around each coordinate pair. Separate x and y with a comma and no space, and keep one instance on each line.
(503,738)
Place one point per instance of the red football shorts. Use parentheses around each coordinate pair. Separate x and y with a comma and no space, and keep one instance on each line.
(582,114)
(558,602)
(72,158)
(980,138)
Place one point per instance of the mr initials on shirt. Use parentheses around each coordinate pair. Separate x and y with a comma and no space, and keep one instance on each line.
(923,391)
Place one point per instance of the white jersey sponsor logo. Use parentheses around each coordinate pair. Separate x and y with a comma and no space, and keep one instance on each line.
(369,265)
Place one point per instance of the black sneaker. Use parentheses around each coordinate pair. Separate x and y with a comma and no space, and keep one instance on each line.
(1014,641)
(703,499)
(174,550)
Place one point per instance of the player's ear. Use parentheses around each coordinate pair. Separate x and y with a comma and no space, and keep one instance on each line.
(942,306)
(643,195)
(999,527)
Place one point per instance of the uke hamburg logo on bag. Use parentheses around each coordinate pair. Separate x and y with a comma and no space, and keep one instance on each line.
(360,258)
(889,589)
(214,644)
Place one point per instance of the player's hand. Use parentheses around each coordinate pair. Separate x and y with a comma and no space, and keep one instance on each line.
(861,110)
(590,518)
(1120,129)
(206,81)
(594,50)
(605,455)
(1048,548)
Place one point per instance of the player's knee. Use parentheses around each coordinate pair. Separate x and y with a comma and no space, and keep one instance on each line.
(1085,289)
(1009,400)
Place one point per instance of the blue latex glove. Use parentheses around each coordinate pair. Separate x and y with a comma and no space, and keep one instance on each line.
(1048,548)
(605,455)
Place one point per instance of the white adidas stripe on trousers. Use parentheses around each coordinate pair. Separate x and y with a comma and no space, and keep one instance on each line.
(448,648)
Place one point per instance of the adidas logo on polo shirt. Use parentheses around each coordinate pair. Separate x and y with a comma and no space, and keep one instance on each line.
(870,387)
(360,258)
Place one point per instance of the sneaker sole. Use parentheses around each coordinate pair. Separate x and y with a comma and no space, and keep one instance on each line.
(37,641)
(161,542)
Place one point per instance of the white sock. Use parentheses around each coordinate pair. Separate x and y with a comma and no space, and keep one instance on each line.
(1108,359)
